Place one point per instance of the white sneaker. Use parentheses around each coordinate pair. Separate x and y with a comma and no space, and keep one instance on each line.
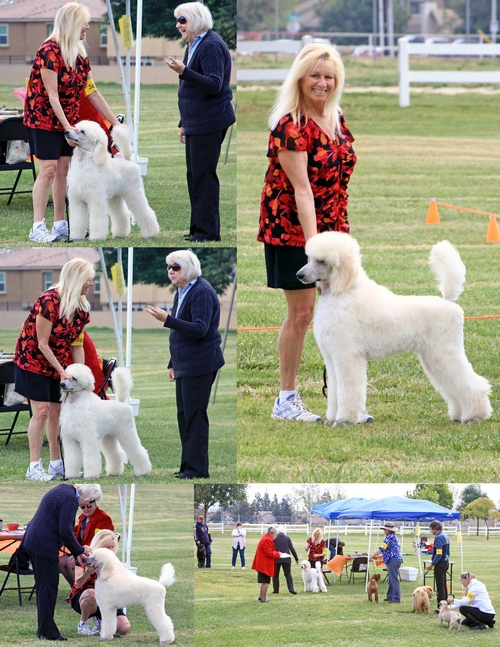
(97,627)
(365,417)
(84,628)
(41,234)
(232,567)
(62,231)
(293,409)
(56,471)
(243,567)
(37,473)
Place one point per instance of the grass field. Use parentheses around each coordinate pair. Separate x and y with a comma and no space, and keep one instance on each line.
(157,420)
(227,611)
(444,147)
(162,532)
(165,182)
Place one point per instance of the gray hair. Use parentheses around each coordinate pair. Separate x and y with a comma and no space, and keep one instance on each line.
(189,262)
(272,530)
(281,530)
(198,16)
(89,492)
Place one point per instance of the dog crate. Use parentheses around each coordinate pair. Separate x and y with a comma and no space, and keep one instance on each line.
(408,573)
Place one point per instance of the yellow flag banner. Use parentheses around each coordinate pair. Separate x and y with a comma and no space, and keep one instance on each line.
(118,278)
(125,25)
(459,537)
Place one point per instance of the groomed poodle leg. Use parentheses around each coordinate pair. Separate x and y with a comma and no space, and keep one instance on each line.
(78,217)
(108,622)
(73,457)
(161,622)
(144,215)
(91,452)
(120,217)
(98,217)
(136,453)
(351,374)
(113,456)
(331,412)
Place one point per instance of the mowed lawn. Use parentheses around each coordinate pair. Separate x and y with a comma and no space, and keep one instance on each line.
(165,182)
(227,611)
(157,419)
(161,533)
(444,146)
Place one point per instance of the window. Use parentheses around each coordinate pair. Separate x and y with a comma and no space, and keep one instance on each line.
(104,36)
(2,282)
(47,280)
(4,35)
(50,29)
(97,284)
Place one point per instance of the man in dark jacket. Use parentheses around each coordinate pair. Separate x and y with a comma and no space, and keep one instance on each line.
(49,530)
(283,544)
(202,536)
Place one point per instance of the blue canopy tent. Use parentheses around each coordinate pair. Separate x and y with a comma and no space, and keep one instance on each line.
(403,509)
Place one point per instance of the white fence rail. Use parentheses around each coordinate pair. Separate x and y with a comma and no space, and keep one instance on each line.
(406,76)
(344,529)
(472,531)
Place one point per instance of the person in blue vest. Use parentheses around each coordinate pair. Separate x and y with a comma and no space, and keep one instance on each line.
(391,554)
(440,560)
(202,536)
(206,111)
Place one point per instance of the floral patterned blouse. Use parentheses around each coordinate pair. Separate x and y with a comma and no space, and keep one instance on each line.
(316,551)
(38,113)
(64,333)
(330,165)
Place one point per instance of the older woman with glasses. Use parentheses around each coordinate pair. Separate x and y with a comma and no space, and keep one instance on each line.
(476,605)
(195,356)
(206,113)
(90,522)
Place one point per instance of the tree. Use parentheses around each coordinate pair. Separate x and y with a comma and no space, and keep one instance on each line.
(480,14)
(206,496)
(158,18)
(218,265)
(355,15)
(470,493)
(251,14)
(481,508)
(438,493)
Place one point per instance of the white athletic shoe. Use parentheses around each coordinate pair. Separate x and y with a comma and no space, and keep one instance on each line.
(42,235)
(56,471)
(293,409)
(37,473)
(84,628)
(61,232)
(97,627)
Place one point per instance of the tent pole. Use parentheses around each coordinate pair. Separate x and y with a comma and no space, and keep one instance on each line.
(231,304)
(126,91)
(118,336)
(130,289)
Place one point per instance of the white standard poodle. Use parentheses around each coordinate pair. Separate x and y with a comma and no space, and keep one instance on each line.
(89,425)
(357,320)
(312,577)
(99,184)
(117,587)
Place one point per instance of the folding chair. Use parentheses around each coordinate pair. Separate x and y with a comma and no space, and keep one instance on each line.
(12,129)
(7,377)
(17,566)
(359,565)
(108,366)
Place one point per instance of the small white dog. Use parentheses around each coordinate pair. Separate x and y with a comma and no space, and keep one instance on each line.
(99,184)
(357,320)
(312,577)
(117,587)
(89,425)
(449,616)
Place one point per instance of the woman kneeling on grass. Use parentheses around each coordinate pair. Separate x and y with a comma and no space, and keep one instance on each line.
(476,604)
(82,597)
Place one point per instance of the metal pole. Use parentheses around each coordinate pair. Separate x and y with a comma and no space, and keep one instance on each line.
(467,17)
(381,25)
(390,28)
(276,18)
(494,21)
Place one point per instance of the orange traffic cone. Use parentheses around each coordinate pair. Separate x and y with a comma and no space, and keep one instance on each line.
(493,233)
(432,214)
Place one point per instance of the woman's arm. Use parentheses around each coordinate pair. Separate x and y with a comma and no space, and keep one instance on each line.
(43,332)
(82,575)
(49,78)
(294,164)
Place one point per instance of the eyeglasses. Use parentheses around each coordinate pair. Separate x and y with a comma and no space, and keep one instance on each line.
(83,507)
(175,267)
(182,20)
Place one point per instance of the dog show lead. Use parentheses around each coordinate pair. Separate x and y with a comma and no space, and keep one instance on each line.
(52,332)
(391,554)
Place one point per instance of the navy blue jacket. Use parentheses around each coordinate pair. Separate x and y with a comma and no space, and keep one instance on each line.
(204,88)
(195,341)
(52,526)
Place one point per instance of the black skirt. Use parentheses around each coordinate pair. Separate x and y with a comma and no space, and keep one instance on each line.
(282,265)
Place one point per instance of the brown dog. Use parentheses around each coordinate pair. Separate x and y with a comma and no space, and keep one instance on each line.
(373,587)
(421,596)
(449,616)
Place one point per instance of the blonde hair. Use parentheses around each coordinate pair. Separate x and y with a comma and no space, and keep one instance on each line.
(317,531)
(290,99)
(189,262)
(89,492)
(74,274)
(198,16)
(102,539)
(68,25)
(468,576)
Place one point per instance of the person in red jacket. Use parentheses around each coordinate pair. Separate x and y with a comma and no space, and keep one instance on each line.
(264,561)
(89,523)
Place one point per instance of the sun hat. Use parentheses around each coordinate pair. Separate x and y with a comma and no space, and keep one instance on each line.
(389,526)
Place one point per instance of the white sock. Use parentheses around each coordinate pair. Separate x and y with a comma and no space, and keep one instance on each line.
(33,463)
(59,224)
(284,395)
(56,463)
(37,224)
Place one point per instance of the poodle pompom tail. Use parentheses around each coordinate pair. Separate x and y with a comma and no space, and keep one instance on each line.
(122,383)
(167,577)
(449,269)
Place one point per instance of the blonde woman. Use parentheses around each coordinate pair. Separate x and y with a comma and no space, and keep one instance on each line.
(82,596)
(475,605)
(316,547)
(51,334)
(60,72)
(311,159)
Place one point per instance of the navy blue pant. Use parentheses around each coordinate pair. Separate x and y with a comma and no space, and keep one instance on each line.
(193,395)
(440,569)
(202,157)
(46,573)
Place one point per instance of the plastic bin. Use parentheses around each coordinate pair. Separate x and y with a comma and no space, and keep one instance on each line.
(408,573)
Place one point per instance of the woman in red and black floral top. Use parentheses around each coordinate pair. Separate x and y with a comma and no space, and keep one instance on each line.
(51,334)
(316,547)
(60,72)
(310,162)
